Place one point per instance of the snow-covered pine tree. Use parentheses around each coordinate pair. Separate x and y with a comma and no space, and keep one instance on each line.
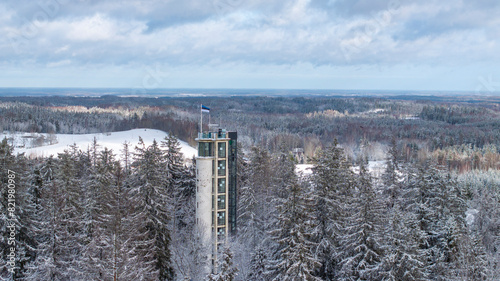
(402,259)
(127,158)
(226,271)
(421,198)
(361,246)
(109,233)
(149,178)
(293,258)
(390,177)
(95,186)
(485,232)
(117,232)
(173,160)
(250,225)
(59,228)
(333,181)
(190,256)
(44,267)
(252,187)
(451,216)
(70,222)
(141,243)
(472,261)
(243,171)
(181,184)
(253,204)
(391,164)
(91,198)
(258,264)
(248,237)
(487,221)
(435,202)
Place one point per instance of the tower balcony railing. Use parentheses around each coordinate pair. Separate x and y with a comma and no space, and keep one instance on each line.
(206,136)
(212,135)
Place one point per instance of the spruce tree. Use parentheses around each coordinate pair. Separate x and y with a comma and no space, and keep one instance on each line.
(293,258)
(180,184)
(254,204)
(472,261)
(46,228)
(70,212)
(118,224)
(361,248)
(391,179)
(402,259)
(226,271)
(258,264)
(333,181)
(190,256)
(95,187)
(149,178)
(423,200)
(59,228)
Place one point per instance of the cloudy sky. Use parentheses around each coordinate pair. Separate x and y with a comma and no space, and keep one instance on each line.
(292,44)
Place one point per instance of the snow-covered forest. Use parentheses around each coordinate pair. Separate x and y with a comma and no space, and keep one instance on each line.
(433,214)
(85,216)
(417,222)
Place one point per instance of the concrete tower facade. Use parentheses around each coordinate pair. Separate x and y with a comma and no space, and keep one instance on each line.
(216,187)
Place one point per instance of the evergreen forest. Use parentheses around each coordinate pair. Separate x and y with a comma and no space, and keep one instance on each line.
(432,212)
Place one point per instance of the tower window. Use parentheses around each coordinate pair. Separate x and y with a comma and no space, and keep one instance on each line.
(221,233)
(221,148)
(221,168)
(221,218)
(221,185)
(205,149)
(221,202)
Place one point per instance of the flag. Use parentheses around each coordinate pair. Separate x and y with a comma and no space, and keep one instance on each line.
(205,109)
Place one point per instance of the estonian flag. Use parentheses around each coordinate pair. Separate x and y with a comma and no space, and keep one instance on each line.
(205,109)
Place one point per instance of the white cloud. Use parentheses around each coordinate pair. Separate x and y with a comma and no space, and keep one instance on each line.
(100,28)
(62,49)
(59,63)
(92,29)
(216,33)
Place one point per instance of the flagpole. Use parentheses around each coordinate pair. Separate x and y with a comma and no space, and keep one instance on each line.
(201,118)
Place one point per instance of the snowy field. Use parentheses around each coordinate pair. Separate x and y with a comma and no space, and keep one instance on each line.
(45,145)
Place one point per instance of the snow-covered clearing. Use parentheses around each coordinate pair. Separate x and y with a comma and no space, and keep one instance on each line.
(376,168)
(44,145)
(303,169)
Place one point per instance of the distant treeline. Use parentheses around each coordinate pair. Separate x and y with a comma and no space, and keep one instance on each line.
(272,122)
